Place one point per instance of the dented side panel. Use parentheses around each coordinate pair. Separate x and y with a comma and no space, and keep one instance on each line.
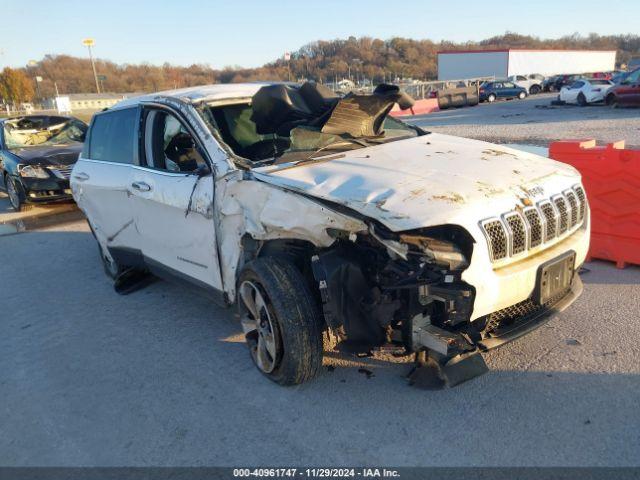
(267,212)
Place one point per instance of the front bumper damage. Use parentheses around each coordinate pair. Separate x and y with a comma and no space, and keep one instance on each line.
(416,299)
(456,355)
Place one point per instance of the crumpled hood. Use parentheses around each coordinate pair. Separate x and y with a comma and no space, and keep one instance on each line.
(428,180)
(49,155)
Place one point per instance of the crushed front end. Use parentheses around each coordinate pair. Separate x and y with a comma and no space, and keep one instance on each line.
(417,292)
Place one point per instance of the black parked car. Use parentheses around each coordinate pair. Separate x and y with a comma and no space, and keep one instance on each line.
(555,83)
(37,153)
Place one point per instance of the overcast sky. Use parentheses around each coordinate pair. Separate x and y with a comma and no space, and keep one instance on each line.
(251,32)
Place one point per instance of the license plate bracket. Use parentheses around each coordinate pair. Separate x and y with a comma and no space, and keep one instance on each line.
(554,277)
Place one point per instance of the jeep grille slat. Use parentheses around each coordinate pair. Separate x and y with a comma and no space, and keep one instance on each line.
(518,233)
(582,201)
(561,205)
(535,226)
(573,207)
(497,237)
(551,220)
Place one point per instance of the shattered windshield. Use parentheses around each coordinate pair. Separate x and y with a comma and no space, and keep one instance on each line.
(282,124)
(36,131)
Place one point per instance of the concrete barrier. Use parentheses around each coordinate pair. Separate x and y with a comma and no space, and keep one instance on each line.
(458,97)
(421,107)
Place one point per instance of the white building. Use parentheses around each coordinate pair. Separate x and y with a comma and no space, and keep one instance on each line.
(86,101)
(462,64)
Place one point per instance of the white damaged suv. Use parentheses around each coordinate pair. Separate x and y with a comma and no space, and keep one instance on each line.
(318,215)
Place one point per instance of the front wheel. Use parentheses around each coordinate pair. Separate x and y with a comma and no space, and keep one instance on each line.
(534,90)
(612,101)
(582,100)
(15,193)
(280,320)
(522,95)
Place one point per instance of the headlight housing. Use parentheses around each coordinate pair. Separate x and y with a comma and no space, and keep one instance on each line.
(32,171)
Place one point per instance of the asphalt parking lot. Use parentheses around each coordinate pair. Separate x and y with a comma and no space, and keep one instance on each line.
(162,377)
(535,121)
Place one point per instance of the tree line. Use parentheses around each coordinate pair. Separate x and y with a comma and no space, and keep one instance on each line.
(323,61)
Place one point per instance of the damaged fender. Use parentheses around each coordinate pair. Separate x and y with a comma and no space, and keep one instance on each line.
(264,212)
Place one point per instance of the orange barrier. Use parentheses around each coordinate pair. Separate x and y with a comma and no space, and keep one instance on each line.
(421,107)
(611,177)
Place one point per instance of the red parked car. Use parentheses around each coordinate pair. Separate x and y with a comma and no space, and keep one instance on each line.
(627,92)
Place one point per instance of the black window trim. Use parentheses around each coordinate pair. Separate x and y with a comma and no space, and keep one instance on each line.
(144,107)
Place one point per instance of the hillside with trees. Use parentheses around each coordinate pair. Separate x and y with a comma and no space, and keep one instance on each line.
(324,61)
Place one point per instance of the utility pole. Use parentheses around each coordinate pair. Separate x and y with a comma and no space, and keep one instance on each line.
(89,42)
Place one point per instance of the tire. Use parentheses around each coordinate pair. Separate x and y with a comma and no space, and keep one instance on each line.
(522,95)
(612,101)
(535,89)
(286,342)
(491,98)
(582,100)
(16,195)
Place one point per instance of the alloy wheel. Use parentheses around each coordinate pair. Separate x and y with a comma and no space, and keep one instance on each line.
(258,327)
(14,197)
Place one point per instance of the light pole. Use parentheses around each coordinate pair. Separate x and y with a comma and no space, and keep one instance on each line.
(89,42)
(37,79)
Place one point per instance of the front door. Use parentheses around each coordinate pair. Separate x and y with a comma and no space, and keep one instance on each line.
(172,193)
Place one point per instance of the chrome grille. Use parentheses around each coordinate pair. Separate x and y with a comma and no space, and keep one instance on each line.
(573,206)
(561,205)
(497,237)
(535,226)
(517,232)
(582,201)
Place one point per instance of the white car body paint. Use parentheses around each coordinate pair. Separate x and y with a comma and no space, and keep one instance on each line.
(593,93)
(408,184)
(440,179)
(526,82)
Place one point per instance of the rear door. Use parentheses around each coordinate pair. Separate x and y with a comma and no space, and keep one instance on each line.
(172,194)
(101,177)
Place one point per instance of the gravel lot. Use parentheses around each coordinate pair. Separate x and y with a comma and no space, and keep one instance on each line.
(534,121)
(161,377)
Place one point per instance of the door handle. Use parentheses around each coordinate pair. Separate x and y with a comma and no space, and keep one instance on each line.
(141,186)
(81,176)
